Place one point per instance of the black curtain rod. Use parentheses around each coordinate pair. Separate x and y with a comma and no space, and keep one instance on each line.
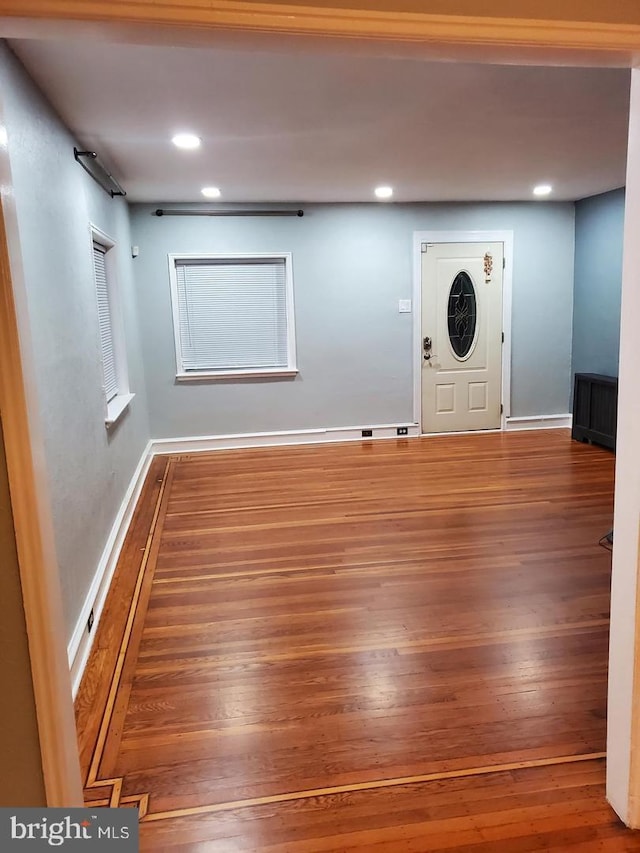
(168,212)
(92,166)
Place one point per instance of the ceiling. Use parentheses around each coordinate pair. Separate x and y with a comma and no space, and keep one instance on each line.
(292,125)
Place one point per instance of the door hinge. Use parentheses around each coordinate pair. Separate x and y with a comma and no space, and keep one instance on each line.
(501,408)
(503,337)
(504,263)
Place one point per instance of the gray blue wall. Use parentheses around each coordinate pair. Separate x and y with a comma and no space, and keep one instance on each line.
(351,264)
(598,283)
(89,468)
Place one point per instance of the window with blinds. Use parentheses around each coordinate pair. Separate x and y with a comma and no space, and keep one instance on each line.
(110,375)
(233,314)
(111,333)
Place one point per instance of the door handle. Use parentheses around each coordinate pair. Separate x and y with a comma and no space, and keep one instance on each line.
(427,344)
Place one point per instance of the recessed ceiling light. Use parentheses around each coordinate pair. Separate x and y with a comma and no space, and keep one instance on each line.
(542,189)
(210,192)
(188,141)
(384,192)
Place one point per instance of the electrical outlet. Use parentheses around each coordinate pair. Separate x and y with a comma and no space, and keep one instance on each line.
(402,431)
(90,622)
(367,433)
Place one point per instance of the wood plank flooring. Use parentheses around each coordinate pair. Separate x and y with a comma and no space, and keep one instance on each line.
(382,646)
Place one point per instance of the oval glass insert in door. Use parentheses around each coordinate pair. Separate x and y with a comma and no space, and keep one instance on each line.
(462,315)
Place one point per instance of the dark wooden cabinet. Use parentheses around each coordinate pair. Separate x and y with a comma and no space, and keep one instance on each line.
(595,409)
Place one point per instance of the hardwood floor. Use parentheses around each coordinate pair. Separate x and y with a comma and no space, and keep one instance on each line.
(380,646)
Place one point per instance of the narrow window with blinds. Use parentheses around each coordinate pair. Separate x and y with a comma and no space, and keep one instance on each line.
(233,315)
(109,372)
(111,335)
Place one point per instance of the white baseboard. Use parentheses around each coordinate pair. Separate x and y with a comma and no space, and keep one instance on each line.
(81,640)
(539,422)
(202,443)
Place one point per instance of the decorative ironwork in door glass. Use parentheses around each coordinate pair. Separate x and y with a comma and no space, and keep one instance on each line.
(462,314)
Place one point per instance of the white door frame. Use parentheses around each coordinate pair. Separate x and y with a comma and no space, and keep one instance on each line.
(420,237)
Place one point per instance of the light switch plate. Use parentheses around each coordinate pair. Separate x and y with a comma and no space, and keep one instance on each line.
(404,306)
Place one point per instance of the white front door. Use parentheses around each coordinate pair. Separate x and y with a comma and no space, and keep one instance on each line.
(461,336)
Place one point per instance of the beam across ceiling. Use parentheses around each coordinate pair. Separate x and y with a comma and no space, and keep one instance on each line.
(384,20)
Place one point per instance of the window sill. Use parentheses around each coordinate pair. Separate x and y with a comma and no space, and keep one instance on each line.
(116,408)
(200,375)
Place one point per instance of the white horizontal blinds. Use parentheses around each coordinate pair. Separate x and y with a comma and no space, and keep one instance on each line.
(232,313)
(110,378)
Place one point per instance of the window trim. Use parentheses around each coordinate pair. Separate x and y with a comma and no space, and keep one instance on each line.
(115,408)
(290,370)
